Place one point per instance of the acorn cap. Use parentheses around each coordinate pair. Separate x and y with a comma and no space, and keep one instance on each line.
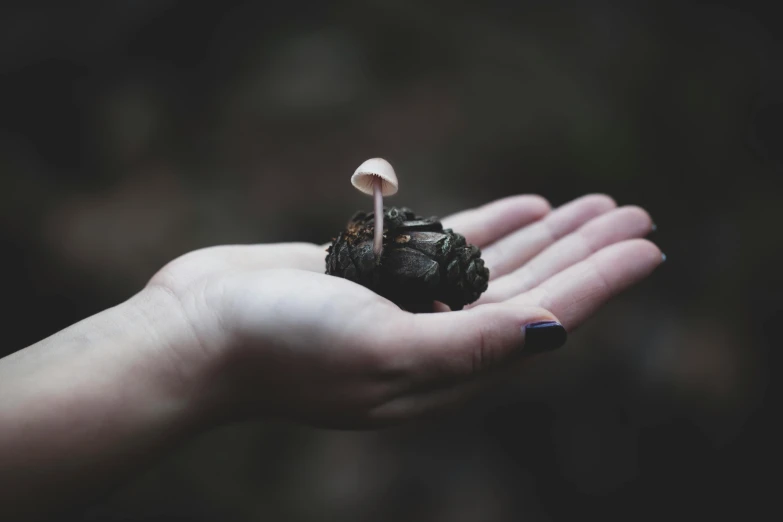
(364,176)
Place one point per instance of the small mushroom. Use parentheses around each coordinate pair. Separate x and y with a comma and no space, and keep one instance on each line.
(376,176)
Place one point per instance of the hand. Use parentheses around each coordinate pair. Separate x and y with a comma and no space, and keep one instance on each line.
(282,338)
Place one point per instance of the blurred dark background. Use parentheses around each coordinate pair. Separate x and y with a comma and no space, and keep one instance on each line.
(134,131)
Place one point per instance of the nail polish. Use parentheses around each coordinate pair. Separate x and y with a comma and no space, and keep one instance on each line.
(654,227)
(663,258)
(544,336)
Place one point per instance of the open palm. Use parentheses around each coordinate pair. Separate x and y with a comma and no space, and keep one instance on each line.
(295,342)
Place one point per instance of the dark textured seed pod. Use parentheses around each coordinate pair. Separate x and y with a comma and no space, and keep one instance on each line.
(420,263)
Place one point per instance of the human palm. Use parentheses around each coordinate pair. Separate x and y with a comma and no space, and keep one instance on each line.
(285,339)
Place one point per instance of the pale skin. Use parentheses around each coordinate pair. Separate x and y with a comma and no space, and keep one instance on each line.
(236,332)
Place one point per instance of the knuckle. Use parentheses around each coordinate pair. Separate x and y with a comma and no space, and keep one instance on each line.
(541,297)
(483,350)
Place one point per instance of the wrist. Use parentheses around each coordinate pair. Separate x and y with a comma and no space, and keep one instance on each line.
(185,352)
(94,402)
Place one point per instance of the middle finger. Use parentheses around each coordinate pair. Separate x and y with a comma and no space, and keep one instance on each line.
(618,225)
(511,252)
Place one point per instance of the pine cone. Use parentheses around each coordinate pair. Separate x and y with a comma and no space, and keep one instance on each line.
(420,263)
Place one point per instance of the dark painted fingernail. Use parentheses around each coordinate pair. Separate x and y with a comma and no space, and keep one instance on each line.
(544,336)
(663,257)
(654,227)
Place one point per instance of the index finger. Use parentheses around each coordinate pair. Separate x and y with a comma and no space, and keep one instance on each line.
(483,225)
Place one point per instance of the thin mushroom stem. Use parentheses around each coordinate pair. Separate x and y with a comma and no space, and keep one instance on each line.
(377,195)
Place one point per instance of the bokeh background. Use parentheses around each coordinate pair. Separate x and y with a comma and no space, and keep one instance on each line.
(134,131)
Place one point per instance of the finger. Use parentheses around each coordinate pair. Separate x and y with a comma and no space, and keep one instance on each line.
(614,226)
(458,345)
(443,358)
(483,225)
(577,292)
(512,251)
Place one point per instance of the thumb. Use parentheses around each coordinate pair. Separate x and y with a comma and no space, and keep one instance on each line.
(456,345)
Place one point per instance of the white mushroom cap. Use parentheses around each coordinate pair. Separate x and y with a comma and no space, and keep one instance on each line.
(364,176)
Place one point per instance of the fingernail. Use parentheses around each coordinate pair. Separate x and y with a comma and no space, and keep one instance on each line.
(663,257)
(654,227)
(544,336)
